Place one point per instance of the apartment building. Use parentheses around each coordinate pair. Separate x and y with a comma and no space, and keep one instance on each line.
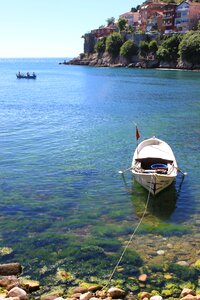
(187,16)
(168,20)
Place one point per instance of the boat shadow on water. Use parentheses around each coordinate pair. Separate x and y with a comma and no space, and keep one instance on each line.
(161,206)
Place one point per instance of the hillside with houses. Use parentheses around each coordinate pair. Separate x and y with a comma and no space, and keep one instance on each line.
(152,21)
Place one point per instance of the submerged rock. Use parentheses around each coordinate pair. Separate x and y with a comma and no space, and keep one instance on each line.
(142,278)
(18,292)
(116,293)
(86,296)
(186,292)
(10,269)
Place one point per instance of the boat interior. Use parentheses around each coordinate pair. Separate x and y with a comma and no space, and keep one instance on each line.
(153,165)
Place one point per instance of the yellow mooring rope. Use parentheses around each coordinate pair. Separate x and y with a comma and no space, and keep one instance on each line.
(131,238)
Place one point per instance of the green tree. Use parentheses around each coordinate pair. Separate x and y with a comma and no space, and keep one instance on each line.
(163,54)
(128,49)
(189,48)
(153,46)
(144,48)
(110,20)
(133,9)
(122,24)
(169,48)
(100,46)
(172,43)
(114,43)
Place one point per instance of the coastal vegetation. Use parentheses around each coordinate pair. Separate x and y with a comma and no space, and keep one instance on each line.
(189,48)
(114,43)
(169,50)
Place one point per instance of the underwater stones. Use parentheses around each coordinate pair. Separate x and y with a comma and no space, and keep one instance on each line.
(116,293)
(86,296)
(186,292)
(18,292)
(50,297)
(142,278)
(10,269)
(189,297)
(156,297)
(79,289)
(30,285)
(183,263)
(94,288)
(75,296)
(101,294)
(9,282)
(63,275)
(5,251)
(160,252)
(144,295)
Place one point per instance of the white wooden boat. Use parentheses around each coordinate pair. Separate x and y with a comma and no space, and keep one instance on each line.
(154,165)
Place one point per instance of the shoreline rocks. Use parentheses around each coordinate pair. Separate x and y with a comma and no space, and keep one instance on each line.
(19,288)
(105,60)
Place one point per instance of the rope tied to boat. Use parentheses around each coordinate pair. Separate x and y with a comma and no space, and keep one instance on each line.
(131,238)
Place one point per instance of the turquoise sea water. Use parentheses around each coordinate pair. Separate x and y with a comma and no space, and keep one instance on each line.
(63,139)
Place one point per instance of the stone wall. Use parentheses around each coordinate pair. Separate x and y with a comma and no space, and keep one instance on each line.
(90,39)
(89,43)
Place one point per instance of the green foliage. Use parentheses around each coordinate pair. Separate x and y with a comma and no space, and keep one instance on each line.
(165,229)
(114,43)
(100,46)
(128,49)
(144,48)
(189,47)
(133,9)
(122,24)
(153,46)
(169,47)
(183,272)
(163,54)
(110,20)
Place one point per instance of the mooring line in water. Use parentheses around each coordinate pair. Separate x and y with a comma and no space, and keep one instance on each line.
(131,238)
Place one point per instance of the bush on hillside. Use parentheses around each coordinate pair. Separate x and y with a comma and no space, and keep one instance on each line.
(100,46)
(189,48)
(144,48)
(122,24)
(163,54)
(153,46)
(128,49)
(114,43)
(168,50)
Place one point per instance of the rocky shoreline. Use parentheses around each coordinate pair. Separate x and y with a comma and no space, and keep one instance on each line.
(13,286)
(105,60)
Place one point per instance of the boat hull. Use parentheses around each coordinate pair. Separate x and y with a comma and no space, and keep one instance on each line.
(26,77)
(154,183)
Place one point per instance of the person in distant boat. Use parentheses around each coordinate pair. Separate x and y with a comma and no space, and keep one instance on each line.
(28,74)
(19,74)
(34,74)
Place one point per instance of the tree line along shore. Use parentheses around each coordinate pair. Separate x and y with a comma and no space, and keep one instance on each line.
(175,51)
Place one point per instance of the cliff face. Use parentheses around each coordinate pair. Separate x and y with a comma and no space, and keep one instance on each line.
(90,39)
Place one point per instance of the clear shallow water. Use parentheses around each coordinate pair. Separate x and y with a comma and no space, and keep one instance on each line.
(63,139)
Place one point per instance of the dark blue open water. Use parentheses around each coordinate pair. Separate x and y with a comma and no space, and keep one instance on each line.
(63,138)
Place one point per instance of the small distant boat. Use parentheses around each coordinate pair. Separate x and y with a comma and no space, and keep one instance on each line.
(26,76)
(154,165)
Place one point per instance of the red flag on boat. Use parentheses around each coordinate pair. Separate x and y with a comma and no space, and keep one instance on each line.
(137,134)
